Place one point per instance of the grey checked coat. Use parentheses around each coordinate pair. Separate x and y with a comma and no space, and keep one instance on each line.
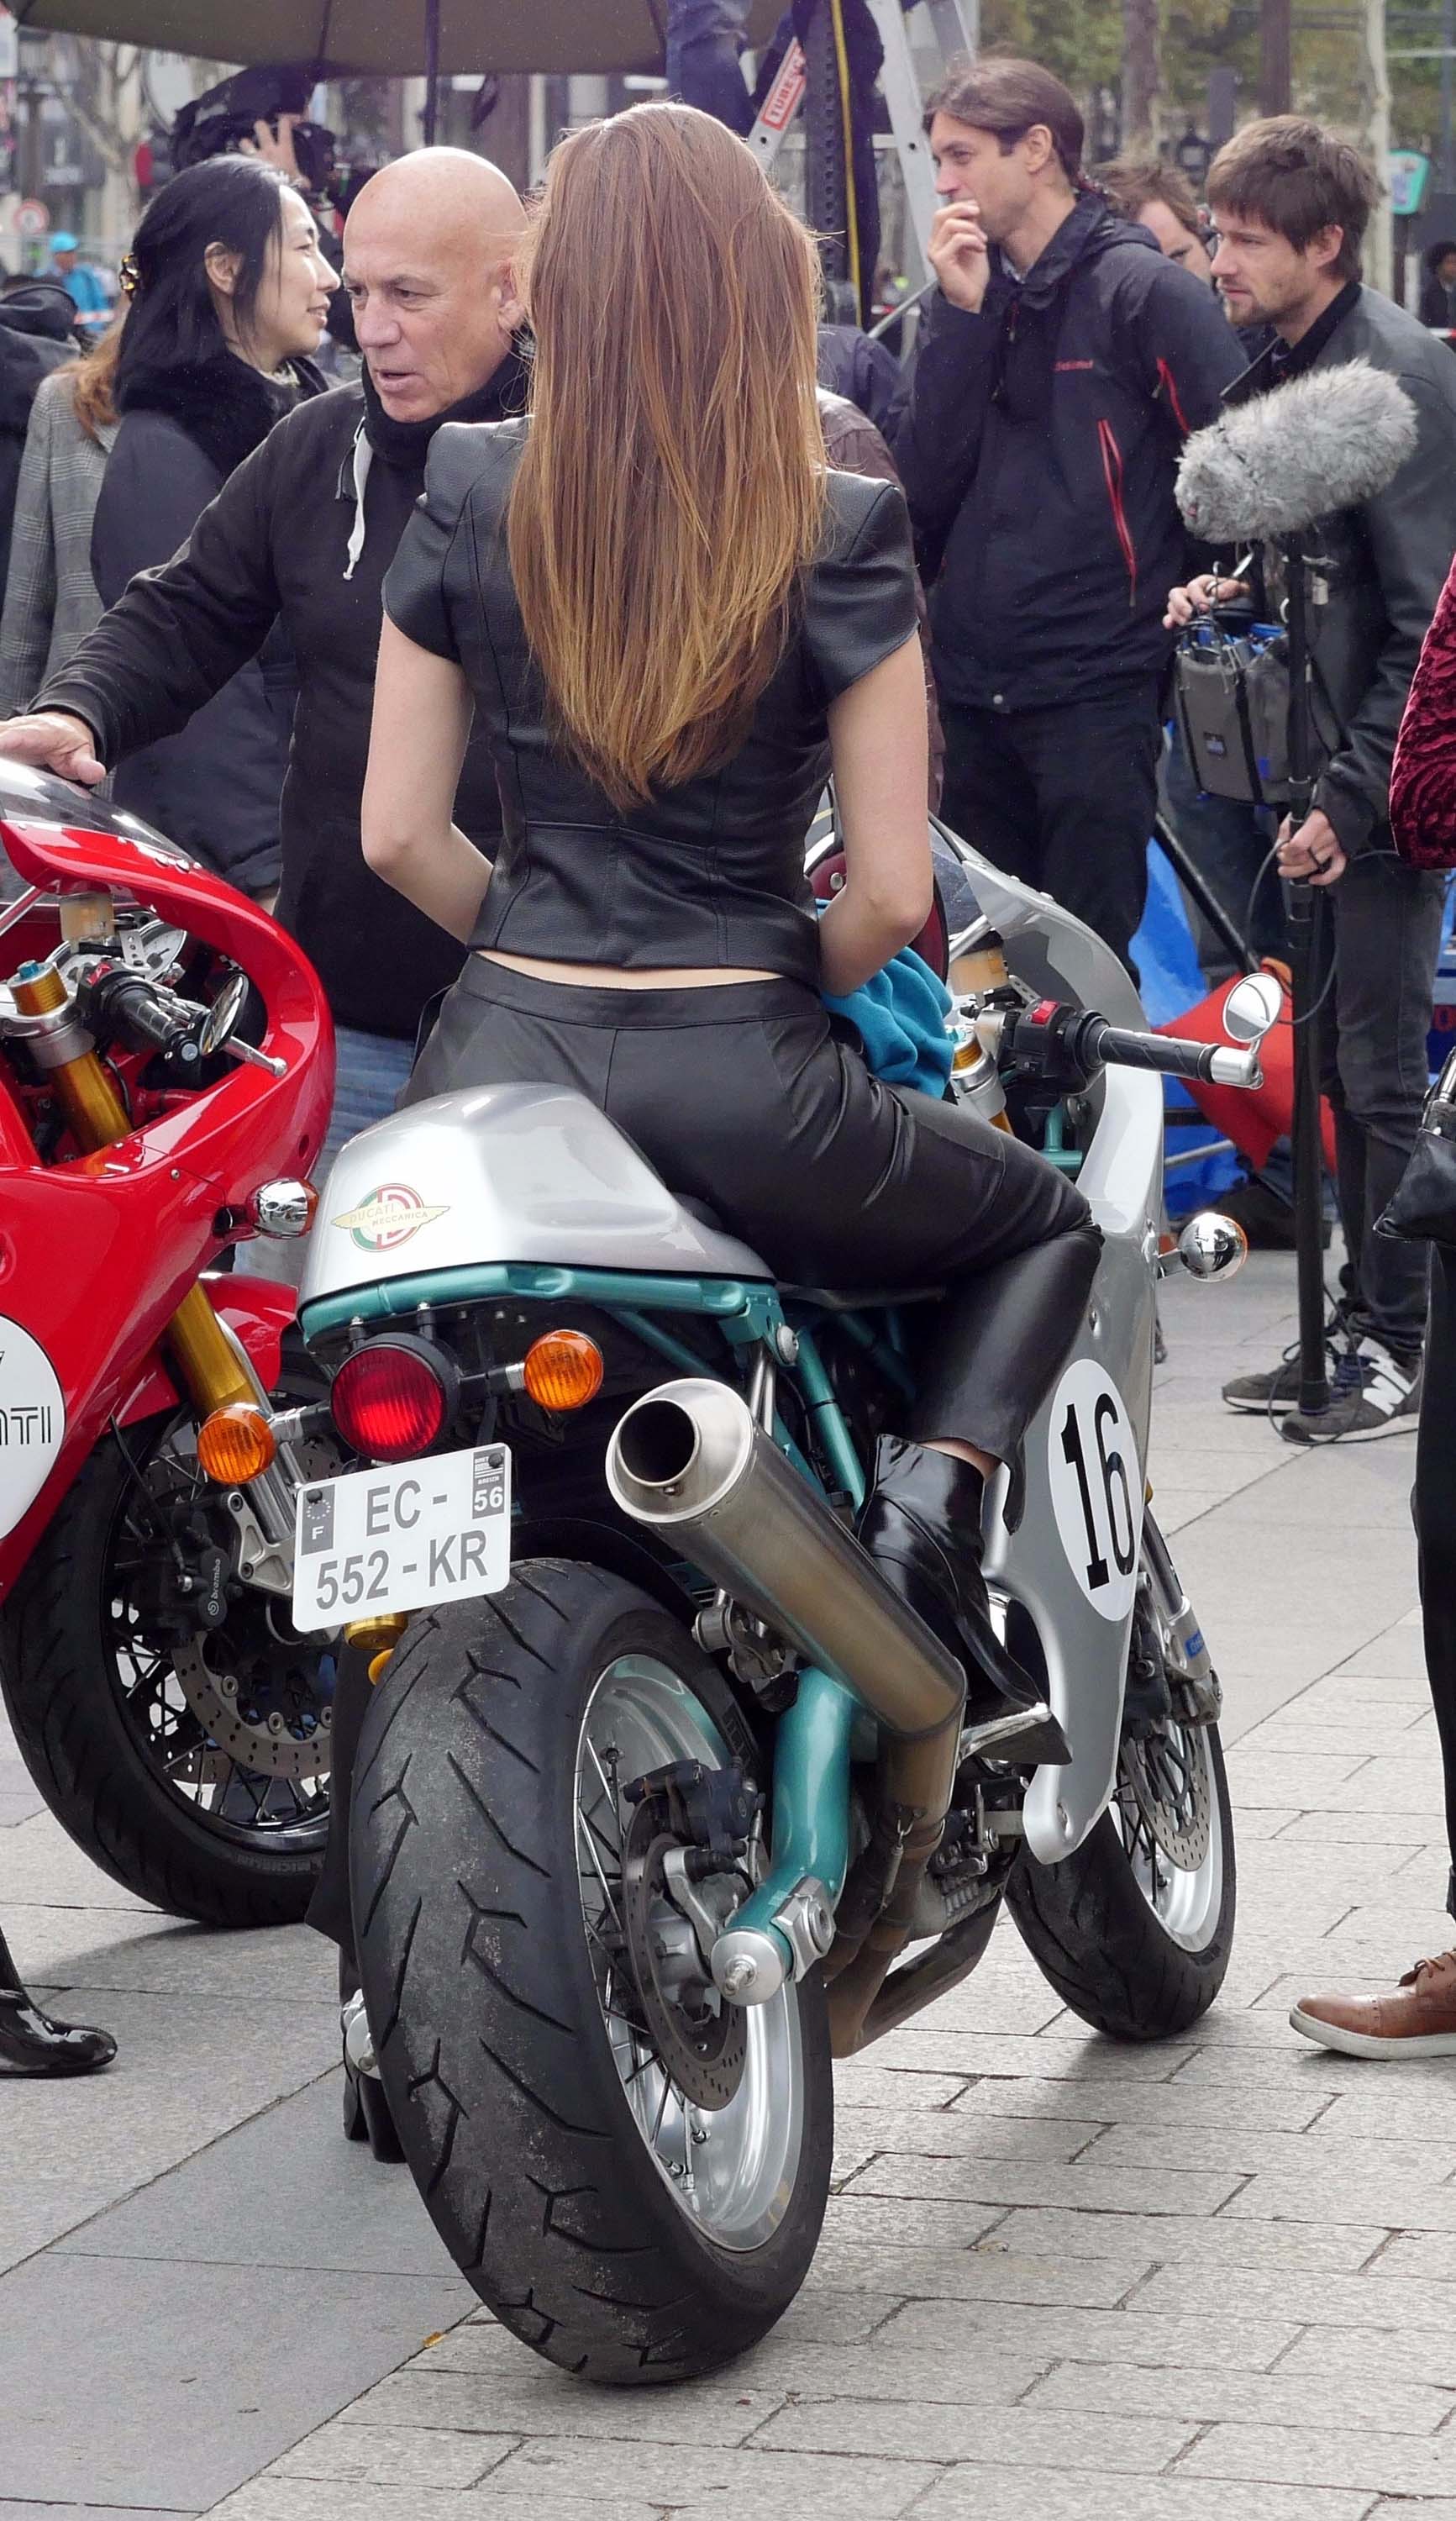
(51,600)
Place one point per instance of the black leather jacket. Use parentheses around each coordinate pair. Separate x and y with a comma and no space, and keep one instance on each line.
(1388,561)
(1038,444)
(708,872)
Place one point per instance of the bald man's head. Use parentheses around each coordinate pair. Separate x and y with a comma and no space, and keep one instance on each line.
(428,254)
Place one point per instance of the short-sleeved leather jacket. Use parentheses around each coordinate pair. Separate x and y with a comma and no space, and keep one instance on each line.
(709,872)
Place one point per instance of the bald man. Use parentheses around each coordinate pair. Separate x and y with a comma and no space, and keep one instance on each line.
(303,533)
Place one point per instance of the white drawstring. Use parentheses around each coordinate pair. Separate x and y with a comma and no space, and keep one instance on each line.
(363,458)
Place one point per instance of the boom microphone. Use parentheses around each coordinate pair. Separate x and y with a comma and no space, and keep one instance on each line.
(1329,439)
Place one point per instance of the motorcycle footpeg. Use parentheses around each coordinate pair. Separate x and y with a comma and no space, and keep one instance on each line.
(1027,1736)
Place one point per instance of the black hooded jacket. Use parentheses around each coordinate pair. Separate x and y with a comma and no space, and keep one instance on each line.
(290,538)
(1037,443)
(215,786)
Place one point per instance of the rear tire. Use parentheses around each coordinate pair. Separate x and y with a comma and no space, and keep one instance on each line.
(520,2092)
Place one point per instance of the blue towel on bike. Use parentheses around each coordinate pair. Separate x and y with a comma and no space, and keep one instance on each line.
(901,1017)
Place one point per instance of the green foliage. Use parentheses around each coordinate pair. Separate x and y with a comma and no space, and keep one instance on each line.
(1081,40)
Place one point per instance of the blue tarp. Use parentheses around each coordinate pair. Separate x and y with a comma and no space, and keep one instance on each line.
(1171,982)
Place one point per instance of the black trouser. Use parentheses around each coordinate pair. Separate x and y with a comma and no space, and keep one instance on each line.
(740,1096)
(1435,1523)
(1062,799)
(1383,937)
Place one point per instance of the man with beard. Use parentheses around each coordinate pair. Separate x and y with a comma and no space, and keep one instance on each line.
(302,534)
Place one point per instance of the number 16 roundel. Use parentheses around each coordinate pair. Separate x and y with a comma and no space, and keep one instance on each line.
(1097,1486)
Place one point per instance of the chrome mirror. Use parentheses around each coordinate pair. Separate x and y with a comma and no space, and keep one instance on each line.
(1253,1005)
(1211,1246)
(224,1016)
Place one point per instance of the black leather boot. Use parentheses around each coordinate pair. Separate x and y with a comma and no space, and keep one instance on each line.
(30,2043)
(921,1524)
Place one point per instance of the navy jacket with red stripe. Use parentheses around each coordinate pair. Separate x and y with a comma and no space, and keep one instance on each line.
(1037,442)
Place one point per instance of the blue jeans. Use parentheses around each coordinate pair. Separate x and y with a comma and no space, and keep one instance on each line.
(1229,842)
(373,1069)
(1382,941)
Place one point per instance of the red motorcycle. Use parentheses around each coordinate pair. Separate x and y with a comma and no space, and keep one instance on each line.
(165,1075)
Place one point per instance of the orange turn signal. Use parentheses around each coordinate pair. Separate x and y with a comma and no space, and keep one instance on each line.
(562,1370)
(235,1443)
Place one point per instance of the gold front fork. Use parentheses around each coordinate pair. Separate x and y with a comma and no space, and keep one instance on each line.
(200,1346)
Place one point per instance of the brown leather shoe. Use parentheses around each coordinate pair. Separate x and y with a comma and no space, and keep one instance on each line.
(1419,2020)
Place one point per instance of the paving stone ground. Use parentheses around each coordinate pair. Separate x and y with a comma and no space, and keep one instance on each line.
(1213,2281)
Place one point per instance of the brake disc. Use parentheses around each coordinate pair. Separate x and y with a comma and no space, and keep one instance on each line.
(233,1688)
(1167,1773)
(702,2041)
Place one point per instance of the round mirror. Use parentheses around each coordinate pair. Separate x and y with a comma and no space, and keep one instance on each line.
(1252,1005)
(1213,1246)
(224,1014)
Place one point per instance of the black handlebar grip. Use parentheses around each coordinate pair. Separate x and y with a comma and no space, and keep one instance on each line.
(1162,1052)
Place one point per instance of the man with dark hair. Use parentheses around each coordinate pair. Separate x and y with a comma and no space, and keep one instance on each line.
(1160,198)
(1292,203)
(1064,362)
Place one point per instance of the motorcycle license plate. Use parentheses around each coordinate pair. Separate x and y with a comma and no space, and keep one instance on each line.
(402,1539)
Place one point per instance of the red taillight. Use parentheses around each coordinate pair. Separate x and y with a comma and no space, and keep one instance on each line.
(388,1402)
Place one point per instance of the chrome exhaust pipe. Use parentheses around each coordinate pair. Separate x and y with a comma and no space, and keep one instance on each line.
(689,1463)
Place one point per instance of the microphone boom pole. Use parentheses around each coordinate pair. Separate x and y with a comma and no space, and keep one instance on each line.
(1303,910)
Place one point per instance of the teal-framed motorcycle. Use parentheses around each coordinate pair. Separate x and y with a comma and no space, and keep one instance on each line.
(663,1799)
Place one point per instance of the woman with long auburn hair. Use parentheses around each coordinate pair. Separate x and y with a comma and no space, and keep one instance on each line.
(673,622)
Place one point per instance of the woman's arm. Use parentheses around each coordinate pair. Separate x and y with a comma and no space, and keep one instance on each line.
(422,723)
(877,738)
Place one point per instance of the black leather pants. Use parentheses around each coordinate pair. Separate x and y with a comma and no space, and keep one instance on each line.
(741,1096)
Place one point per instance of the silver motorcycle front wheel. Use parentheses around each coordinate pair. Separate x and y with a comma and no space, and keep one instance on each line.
(1135,1929)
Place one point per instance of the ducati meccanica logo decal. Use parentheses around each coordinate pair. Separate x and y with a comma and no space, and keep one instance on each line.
(387,1217)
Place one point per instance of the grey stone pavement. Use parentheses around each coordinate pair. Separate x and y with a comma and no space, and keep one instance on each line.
(1211,2282)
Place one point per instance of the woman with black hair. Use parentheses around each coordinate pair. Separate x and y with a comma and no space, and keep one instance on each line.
(228,293)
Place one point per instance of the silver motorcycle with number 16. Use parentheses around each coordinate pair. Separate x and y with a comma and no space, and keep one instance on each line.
(663,1799)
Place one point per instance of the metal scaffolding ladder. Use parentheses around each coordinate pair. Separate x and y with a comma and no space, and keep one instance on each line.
(956,27)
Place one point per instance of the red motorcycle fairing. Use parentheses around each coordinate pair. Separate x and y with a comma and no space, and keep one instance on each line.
(96,1254)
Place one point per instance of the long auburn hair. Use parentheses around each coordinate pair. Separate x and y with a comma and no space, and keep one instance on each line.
(671,486)
(93,380)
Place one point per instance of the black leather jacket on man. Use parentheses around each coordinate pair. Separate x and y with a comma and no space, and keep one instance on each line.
(1037,445)
(1388,561)
(288,540)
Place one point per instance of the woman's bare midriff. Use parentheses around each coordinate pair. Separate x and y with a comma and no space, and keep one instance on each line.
(608,976)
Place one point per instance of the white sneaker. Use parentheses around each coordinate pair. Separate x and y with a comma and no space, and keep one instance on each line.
(1374,1393)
